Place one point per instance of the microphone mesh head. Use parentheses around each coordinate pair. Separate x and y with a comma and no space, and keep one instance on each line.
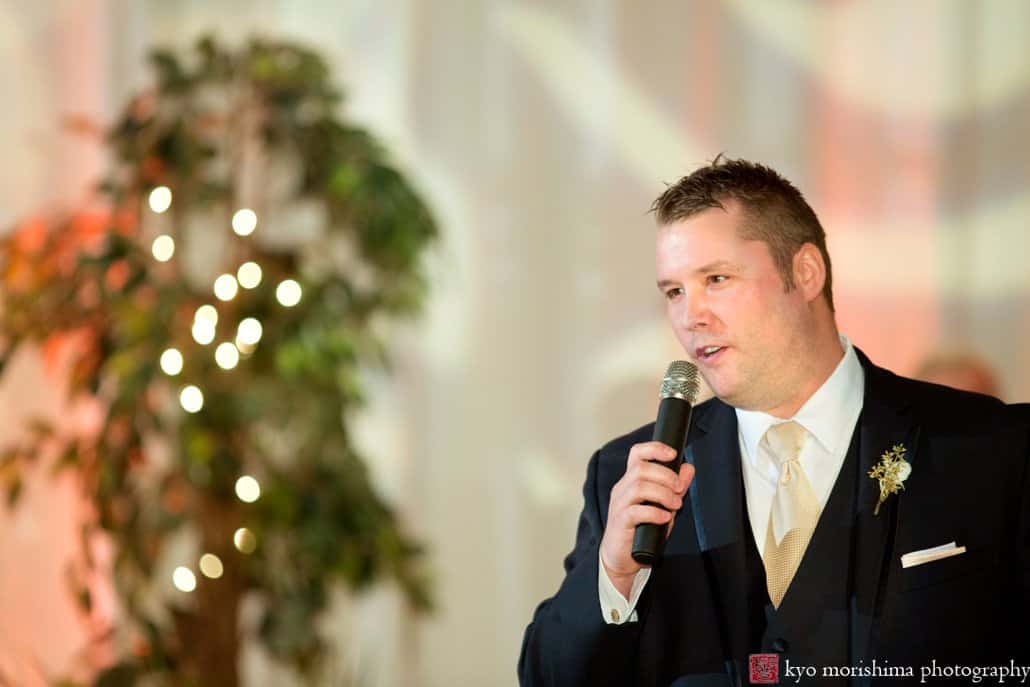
(681,381)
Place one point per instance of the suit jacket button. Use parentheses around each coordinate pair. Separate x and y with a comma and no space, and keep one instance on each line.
(780,645)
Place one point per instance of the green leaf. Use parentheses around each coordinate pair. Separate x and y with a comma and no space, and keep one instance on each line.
(120,675)
(69,459)
(14,490)
(40,428)
(84,599)
(170,73)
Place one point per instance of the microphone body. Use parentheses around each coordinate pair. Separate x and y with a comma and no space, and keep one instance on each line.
(679,389)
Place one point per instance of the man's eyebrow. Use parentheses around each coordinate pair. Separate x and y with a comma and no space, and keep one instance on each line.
(717,266)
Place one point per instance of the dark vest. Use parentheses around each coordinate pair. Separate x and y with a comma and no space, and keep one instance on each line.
(811,627)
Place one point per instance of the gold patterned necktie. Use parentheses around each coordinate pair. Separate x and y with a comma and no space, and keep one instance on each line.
(794,507)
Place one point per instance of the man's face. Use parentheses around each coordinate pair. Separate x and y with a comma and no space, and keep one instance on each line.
(727,304)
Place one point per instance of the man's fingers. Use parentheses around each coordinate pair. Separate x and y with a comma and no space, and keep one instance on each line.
(645,461)
(649,451)
(641,513)
(685,477)
(641,491)
(661,475)
(658,474)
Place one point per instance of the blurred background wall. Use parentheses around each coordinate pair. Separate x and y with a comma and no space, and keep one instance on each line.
(540,132)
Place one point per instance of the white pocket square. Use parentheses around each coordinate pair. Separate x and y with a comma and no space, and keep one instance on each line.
(915,558)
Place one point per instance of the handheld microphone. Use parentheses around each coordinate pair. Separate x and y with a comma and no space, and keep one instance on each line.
(679,389)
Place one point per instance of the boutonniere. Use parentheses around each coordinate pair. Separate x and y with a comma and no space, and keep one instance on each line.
(891,471)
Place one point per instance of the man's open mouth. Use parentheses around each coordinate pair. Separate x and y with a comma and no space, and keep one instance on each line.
(708,352)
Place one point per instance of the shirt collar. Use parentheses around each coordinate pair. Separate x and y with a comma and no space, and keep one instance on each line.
(825,412)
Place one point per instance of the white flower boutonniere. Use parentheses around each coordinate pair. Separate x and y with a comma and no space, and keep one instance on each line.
(891,471)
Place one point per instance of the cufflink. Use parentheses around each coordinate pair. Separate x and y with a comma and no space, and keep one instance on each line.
(615,615)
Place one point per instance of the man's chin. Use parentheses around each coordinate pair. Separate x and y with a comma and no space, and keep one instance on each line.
(733,394)
(727,393)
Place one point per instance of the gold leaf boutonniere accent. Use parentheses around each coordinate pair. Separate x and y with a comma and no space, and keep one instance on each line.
(891,471)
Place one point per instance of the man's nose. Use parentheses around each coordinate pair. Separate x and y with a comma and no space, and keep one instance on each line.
(696,314)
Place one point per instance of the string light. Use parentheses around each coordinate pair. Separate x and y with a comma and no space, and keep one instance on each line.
(249,275)
(244,221)
(226,355)
(203,332)
(204,322)
(191,398)
(244,540)
(248,489)
(288,293)
(249,331)
(226,287)
(163,248)
(184,579)
(160,199)
(207,313)
(171,362)
(211,566)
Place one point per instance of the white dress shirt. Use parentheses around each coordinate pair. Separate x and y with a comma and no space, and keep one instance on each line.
(829,416)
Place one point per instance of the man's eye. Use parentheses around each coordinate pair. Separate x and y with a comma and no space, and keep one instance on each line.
(673,293)
(717,278)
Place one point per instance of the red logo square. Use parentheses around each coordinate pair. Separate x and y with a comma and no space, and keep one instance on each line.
(765,669)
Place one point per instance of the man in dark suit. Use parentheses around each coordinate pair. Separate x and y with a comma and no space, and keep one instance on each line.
(853,526)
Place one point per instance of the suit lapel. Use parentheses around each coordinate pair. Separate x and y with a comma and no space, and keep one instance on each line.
(716,494)
(886,421)
(716,499)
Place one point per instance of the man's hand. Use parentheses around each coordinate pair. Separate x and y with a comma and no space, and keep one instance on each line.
(644,480)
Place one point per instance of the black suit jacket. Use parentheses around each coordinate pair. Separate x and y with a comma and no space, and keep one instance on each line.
(704,610)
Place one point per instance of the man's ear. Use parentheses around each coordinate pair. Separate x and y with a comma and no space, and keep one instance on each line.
(809,271)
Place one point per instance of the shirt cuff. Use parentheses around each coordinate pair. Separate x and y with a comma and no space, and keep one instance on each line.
(615,609)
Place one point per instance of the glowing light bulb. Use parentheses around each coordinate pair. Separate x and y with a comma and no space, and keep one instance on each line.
(226,287)
(288,293)
(211,566)
(191,398)
(203,332)
(227,356)
(249,331)
(163,248)
(248,489)
(184,579)
(207,313)
(249,275)
(171,362)
(160,199)
(244,221)
(244,540)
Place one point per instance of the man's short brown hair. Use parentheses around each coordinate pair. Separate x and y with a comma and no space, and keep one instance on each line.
(775,211)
